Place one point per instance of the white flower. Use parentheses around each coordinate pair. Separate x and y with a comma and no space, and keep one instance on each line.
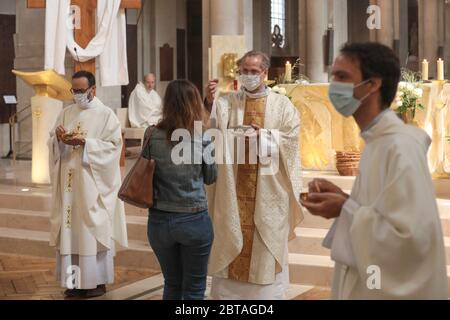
(401,94)
(410,86)
(402,85)
(399,103)
(276,89)
(418,92)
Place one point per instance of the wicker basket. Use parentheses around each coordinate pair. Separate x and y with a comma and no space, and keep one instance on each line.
(347,163)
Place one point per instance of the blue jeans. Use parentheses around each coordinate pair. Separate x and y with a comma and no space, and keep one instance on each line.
(182,243)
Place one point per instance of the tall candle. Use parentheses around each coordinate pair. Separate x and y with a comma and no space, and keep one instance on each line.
(425,73)
(288,76)
(440,69)
(210,64)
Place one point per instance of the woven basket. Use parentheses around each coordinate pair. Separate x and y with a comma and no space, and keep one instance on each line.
(347,163)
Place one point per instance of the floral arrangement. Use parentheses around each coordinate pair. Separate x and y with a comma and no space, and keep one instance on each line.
(409,94)
(282,91)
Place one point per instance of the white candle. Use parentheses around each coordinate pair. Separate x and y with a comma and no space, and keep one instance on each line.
(440,69)
(210,64)
(425,73)
(288,76)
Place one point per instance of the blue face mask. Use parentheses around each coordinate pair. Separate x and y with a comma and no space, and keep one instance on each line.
(342,97)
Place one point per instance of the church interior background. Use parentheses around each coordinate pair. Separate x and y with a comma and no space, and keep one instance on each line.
(200,40)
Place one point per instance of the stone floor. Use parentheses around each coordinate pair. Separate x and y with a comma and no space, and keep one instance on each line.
(32,278)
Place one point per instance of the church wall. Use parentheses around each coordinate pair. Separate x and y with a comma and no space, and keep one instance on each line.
(8,7)
(165,32)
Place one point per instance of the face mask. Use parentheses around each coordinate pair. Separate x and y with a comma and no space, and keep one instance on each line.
(250,82)
(342,96)
(82,99)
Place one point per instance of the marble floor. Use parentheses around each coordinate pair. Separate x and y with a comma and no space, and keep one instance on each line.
(33,278)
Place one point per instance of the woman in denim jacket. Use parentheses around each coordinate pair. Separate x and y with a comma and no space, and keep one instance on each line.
(179,228)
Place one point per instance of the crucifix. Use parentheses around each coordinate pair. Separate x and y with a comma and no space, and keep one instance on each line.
(87,31)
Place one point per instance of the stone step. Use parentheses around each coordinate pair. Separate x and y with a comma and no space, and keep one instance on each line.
(309,242)
(24,219)
(36,243)
(24,198)
(317,270)
(311,221)
(39,221)
(39,199)
(441,186)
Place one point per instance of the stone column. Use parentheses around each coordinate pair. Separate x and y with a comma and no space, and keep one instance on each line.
(340,24)
(29,56)
(401,33)
(385,35)
(447,39)
(316,26)
(246,22)
(224,17)
(429,32)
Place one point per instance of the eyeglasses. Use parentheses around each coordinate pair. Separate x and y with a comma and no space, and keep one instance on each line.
(253,73)
(79,91)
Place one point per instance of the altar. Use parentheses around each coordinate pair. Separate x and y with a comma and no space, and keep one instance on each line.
(325,132)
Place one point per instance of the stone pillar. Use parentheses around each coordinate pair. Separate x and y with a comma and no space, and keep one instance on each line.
(246,22)
(316,26)
(385,35)
(429,33)
(447,39)
(401,32)
(340,24)
(29,56)
(224,17)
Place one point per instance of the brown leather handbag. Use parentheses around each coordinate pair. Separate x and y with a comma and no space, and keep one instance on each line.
(137,187)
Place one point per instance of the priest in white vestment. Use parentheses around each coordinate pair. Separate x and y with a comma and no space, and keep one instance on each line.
(387,239)
(87,218)
(254,212)
(145,105)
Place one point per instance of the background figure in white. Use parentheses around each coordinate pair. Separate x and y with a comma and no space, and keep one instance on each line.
(254,211)
(387,238)
(87,219)
(144,105)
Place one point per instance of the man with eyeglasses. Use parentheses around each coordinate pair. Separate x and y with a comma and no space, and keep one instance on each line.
(254,208)
(87,219)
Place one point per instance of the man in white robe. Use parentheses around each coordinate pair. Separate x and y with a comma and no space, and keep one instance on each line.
(87,219)
(387,240)
(254,212)
(144,105)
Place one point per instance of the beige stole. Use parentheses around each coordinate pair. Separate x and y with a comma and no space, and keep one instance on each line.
(247,179)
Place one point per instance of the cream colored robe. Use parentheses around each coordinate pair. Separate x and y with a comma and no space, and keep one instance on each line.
(86,212)
(277,209)
(144,108)
(391,221)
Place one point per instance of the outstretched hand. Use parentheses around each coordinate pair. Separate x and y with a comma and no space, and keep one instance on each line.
(327,204)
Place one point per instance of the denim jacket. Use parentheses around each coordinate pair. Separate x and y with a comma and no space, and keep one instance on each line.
(179,187)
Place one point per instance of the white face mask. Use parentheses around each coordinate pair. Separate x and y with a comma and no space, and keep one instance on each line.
(82,100)
(342,96)
(250,82)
